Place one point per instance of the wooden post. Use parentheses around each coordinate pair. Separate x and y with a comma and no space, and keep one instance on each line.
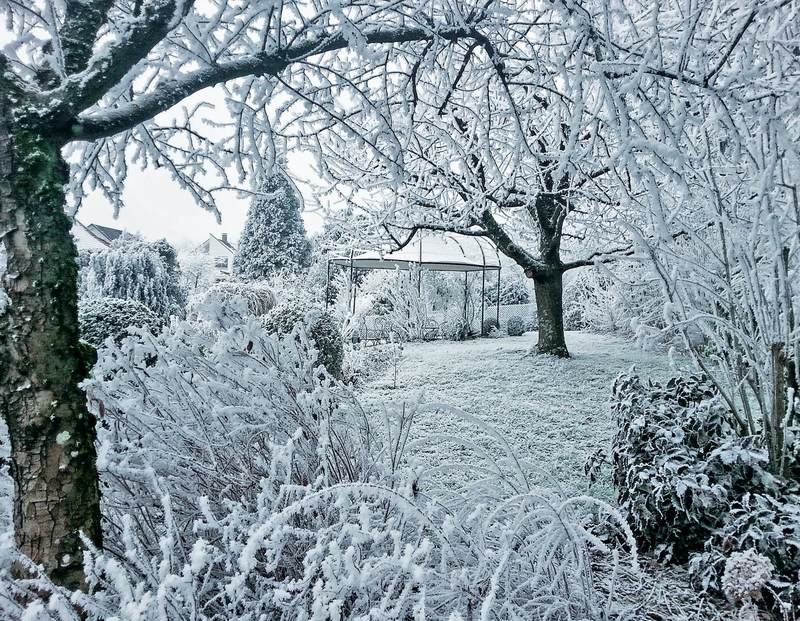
(775,432)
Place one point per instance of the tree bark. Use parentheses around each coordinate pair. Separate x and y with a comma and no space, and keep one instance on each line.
(549,308)
(53,458)
(548,279)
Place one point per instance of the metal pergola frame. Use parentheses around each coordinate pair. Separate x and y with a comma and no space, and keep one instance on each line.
(402,260)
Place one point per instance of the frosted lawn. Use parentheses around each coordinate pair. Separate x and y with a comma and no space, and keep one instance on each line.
(553,412)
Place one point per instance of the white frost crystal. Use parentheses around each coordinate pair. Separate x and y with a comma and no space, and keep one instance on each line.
(746,573)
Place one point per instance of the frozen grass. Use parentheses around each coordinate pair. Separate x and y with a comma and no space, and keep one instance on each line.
(553,412)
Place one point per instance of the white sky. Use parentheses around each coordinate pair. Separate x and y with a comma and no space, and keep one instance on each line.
(155,206)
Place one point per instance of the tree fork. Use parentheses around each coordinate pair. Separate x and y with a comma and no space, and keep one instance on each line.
(53,457)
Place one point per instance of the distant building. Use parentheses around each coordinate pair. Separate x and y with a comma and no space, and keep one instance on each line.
(104,232)
(222,252)
(85,239)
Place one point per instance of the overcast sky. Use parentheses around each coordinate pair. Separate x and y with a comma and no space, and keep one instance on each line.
(156,207)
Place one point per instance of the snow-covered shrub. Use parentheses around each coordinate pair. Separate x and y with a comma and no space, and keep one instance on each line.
(216,510)
(351,320)
(612,300)
(297,289)
(490,325)
(206,415)
(515,288)
(693,489)
(408,307)
(677,463)
(755,553)
(228,303)
(362,363)
(101,318)
(745,575)
(320,327)
(134,269)
(198,271)
(457,329)
(515,326)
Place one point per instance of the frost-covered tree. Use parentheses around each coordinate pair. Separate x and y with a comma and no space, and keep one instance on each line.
(274,237)
(86,83)
(134,269)
(197,271)
(547,140)
(728,259)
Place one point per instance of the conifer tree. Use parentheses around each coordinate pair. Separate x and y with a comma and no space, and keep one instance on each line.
(274,238)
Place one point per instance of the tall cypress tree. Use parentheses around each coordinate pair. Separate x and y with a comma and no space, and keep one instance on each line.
(274,238)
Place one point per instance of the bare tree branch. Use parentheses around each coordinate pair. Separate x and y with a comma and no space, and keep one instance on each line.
(82,21)
(82,90)
(165,95)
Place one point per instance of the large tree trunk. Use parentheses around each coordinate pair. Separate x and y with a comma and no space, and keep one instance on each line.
(549,308)
(41,360)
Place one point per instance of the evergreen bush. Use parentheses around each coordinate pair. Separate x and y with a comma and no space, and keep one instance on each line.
(515,326)
(274,237)
(489,325)
(101,318)
(320,327)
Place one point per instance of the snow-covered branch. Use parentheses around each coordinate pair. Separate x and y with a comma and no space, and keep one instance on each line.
(103,123)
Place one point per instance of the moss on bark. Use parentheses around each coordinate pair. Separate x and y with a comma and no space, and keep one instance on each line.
(41,360)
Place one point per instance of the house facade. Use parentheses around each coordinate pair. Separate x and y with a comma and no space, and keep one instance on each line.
(222,252)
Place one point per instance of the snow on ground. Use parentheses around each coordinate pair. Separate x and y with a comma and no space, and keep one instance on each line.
(553,412)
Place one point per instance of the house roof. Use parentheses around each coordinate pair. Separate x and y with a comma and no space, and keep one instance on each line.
(86,239)
(105,232)
(224,243)
(448,252)
(227,245)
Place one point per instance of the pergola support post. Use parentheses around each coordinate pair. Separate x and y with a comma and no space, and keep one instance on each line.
(352,283)
(466,292)
(419,275)
(483,296)
(498,297)
(328,285)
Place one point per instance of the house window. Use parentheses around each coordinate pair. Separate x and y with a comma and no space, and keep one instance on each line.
(220,261)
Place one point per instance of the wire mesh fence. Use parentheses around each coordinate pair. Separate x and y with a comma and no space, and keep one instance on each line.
(439,324)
